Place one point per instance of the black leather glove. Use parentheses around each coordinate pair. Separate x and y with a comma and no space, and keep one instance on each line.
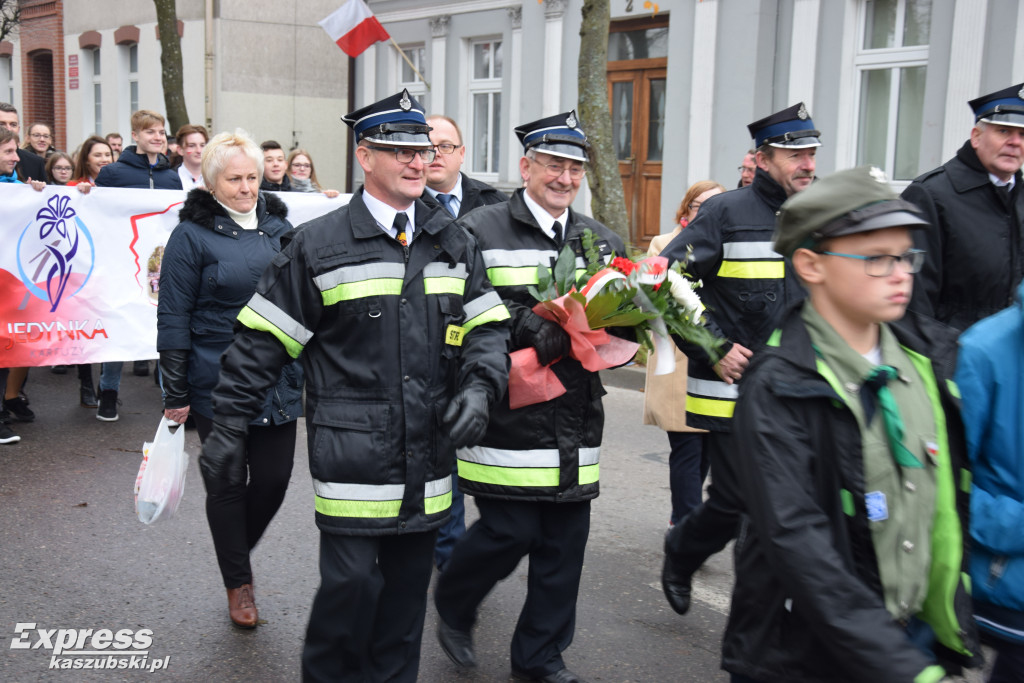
(548,338)
(222,460)
(174,370)
(467,417)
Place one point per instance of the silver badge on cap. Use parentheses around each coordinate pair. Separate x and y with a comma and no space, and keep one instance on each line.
(802,113)
(878,174)
(405,103)
(1020,93)
(571,120)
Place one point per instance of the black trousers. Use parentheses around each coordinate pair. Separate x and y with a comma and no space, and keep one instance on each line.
(554,535)
(238,517)
(710,526)
(367,618)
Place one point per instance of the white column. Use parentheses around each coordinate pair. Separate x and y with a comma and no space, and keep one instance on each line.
(1018,49)
(368,87)
(438,63)
(846,120)
(554,10)
(969,20)
(702,89)
(514,62)
(803,52)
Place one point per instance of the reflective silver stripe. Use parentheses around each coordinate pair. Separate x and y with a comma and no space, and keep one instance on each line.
(438,487)
(348,274)
(501,457)
(444,270)
(336,491)
(590,456)
(749,250)
(712,388)
(517,258)
(279,319)
(480,304)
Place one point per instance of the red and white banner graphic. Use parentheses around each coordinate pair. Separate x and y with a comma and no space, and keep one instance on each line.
(80,274)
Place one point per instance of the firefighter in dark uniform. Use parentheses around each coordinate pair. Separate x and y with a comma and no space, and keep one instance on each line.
(746,287)
(975,206)
(535,472)
(404,343)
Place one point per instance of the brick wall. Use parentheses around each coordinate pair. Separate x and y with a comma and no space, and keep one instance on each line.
(41,37)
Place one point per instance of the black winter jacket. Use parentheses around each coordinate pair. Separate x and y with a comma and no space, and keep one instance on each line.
(374,323)
(474,195)
(807,604)
(284,186)
(133,170)
(563,435)
(209,272)
(975,243)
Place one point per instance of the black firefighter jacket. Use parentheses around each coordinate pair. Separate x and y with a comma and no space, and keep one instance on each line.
(387,335)
(548,451)
(807,604)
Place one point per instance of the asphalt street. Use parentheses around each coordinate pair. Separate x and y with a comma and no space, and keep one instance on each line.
(74,556)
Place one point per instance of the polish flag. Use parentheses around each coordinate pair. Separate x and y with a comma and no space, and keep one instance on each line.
(354,28)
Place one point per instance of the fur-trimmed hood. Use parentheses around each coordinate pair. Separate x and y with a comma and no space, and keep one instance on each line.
(204,210)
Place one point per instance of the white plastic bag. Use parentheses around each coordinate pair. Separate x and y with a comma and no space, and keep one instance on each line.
(161,480)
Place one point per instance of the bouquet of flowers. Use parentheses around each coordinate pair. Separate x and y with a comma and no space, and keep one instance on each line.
(646,294)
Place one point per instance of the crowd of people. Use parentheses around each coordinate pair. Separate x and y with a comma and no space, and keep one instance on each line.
(876,506)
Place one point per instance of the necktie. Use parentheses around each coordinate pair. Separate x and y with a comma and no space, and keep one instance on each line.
(557,229)
(401,220)
(1004,192)
(876,383)
(446,202)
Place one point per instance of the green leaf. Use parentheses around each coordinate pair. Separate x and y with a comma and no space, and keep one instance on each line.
(565,270)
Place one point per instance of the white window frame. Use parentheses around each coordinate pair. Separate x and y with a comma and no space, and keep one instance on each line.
(7,79)
(417,53)
(880,59)
(473,87)
(128,79)
(93,112)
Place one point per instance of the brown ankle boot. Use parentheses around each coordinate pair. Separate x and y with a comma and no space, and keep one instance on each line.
(242,606)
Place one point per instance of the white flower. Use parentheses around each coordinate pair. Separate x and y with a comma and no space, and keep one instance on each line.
(681,290)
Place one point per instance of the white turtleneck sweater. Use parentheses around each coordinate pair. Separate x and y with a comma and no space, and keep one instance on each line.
(247,220)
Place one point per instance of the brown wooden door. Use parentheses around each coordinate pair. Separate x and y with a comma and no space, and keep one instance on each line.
(637,98)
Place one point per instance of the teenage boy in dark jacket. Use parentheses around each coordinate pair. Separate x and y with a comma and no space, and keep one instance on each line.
(849,456)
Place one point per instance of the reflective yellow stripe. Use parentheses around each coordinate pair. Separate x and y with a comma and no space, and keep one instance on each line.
(360,508)
(507,276)
(712,407)
(255,321)
(489,316)
(753,270)
(588,474)
(436,504)
(359,290)
(444,285)
(509,476)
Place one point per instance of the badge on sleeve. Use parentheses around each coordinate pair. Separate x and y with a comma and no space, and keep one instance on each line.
(454,334)
(878,510)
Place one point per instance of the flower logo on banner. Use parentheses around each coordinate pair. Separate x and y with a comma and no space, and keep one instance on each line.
(58,229)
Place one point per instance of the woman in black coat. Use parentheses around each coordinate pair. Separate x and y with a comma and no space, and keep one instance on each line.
(226,238)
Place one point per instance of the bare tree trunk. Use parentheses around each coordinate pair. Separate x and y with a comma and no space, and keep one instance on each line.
(170,64)
(607,204)
(10,17)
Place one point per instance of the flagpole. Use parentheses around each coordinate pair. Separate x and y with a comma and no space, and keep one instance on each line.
(409,62)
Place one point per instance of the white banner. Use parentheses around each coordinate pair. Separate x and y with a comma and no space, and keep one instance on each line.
(79,274)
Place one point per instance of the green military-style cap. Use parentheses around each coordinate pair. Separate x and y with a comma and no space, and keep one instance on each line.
(844,203)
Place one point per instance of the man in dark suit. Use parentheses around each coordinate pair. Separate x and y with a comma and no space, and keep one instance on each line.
(459,194)
(30,166)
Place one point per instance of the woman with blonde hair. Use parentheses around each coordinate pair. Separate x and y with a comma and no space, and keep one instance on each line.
(665,395)
(303,174)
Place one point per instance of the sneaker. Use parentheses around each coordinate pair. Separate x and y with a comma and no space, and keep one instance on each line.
(18,409)
(108,406)
(7,434)
(140,368)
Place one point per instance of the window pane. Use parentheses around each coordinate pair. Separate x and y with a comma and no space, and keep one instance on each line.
(481,115)
(642,44)
(96,62)
(622,119)
(874,117)
(133,58)
(482,60)
(97,97)
(495,128)
(918,22)
(497,59)
(908,122)
(416,54)
(880,27)
(656,121)
(133,95)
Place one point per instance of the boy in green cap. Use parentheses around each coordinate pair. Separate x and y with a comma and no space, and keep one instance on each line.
(849,456)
